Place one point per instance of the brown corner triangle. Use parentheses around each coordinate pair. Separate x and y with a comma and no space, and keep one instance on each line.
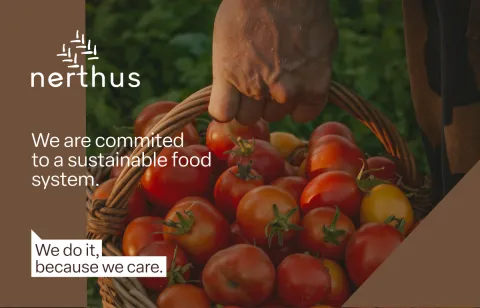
(438,265)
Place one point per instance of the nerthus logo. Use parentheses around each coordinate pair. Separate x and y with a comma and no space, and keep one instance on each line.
(70,55)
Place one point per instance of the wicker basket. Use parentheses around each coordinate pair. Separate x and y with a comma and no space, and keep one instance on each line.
(105,217)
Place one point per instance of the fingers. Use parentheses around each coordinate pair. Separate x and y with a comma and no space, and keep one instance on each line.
(310,97)
(227,103)
(224,101)
(250,110)
(313,97)
(274,111)
(284,90)
(307,112)
(316,91)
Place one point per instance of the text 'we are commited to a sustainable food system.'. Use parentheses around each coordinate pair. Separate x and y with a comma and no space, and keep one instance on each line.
(46,177)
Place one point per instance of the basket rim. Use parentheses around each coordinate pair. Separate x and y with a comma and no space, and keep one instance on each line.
(104,217)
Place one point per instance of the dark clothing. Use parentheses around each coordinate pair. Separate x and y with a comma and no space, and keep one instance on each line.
(443,51)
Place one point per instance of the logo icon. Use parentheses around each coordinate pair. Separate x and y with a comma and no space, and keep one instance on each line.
(71,55)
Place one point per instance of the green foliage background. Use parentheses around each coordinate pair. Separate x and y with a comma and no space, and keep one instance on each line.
(169,44)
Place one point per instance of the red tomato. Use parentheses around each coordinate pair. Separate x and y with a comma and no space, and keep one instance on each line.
(201,232)
(217,166)
(165,186)
(189,133)
(340,289)
(201,149)
(326,232)
(268,209)
(148,113)
(204,151)
(331,189)
(389,169)
(302,280)
(240,275)
(219,135)
(265,159)
(331,128)
(236,236)
(179,273)
(141,232)
(137,205)
(182,296)
(293,184)
(232,185)
(117,169)
(368,248)
(334,153)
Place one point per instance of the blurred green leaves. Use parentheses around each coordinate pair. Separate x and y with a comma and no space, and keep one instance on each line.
(169,44)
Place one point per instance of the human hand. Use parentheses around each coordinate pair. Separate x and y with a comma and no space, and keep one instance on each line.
(271,58)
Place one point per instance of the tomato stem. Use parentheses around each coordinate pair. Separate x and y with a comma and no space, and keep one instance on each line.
(244,172)
(315,255)
(279,225)
(243,147)
(367,184)
(373,170)
(360,174)
(176,273)
(331,233)
(400,222)
(183,225)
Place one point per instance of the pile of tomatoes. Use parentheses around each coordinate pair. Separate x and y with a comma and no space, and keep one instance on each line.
(274,221)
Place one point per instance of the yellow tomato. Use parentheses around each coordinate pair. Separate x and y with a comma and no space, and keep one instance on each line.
(285,143)
(340,289)
(387,200)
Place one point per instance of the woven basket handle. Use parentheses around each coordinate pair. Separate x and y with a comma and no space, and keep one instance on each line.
(197,104)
